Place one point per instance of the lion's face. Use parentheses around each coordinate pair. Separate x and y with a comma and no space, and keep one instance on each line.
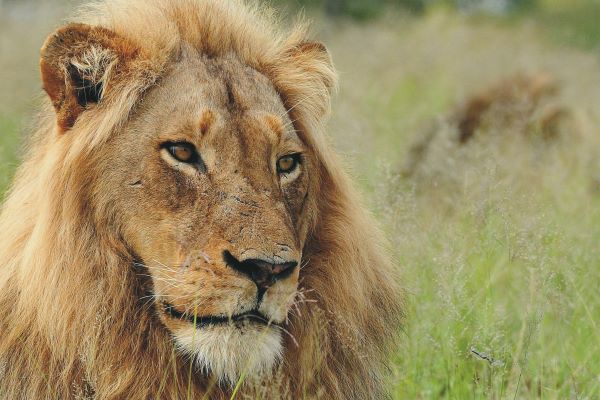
(214,183)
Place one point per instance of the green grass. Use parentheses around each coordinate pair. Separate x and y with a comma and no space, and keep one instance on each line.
(501,257)
(574,22)
(9,142)
(517,283)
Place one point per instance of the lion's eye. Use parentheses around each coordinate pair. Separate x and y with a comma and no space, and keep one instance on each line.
(183,152)
(287,164)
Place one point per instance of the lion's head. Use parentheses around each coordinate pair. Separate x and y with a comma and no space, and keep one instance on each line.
(190,199)
(212,184)
(212,181)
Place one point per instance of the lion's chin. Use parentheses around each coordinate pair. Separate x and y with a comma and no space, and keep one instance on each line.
(230,351)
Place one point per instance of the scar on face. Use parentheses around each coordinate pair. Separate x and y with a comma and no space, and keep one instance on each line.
(206,121)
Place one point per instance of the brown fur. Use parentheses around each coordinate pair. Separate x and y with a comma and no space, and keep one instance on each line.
(93,198)
(515,99)
(523,104)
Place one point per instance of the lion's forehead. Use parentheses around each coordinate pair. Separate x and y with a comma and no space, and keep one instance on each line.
(202,96)
(222,83)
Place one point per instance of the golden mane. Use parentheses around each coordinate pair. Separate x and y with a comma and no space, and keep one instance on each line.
(73,320)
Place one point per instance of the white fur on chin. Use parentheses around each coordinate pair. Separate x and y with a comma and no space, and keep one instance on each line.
(229,350)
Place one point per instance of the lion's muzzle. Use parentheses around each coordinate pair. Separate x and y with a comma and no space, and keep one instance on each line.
(264,273)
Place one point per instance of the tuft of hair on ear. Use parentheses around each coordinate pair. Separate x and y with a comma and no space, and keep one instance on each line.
(76,64)
(89,74)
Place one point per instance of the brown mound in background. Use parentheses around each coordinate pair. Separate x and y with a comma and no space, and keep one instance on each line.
(521,104)
(524,110)
(515,137)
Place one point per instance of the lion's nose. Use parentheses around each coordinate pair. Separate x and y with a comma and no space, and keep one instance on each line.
(263,273)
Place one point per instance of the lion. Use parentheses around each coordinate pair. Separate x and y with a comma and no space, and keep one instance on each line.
(522,107)
(180,226)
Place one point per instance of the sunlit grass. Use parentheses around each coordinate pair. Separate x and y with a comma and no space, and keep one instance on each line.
(518,284)
(574,22)
(9,142)
(498,243)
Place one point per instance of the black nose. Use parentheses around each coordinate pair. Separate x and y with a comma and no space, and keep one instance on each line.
(263,273)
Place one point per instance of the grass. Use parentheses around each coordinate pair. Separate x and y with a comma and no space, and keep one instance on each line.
(573,22)
(498,244)
(517,282)
(9,139)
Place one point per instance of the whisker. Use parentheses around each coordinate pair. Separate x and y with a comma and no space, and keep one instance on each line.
(160,277)
(169,283)
(299,102)
(287,333)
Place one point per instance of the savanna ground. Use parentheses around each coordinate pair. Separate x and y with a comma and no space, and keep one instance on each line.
(497,240)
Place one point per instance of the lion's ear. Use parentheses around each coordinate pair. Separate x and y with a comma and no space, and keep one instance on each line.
(76,64)
(315,59)
(306,76)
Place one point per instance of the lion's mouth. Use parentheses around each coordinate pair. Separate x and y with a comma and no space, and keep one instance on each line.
(253,316)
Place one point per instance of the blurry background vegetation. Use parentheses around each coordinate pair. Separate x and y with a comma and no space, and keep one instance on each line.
(572,20)
(496,239)
(366,9)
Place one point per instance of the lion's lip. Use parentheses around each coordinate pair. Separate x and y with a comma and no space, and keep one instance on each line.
(201,321)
